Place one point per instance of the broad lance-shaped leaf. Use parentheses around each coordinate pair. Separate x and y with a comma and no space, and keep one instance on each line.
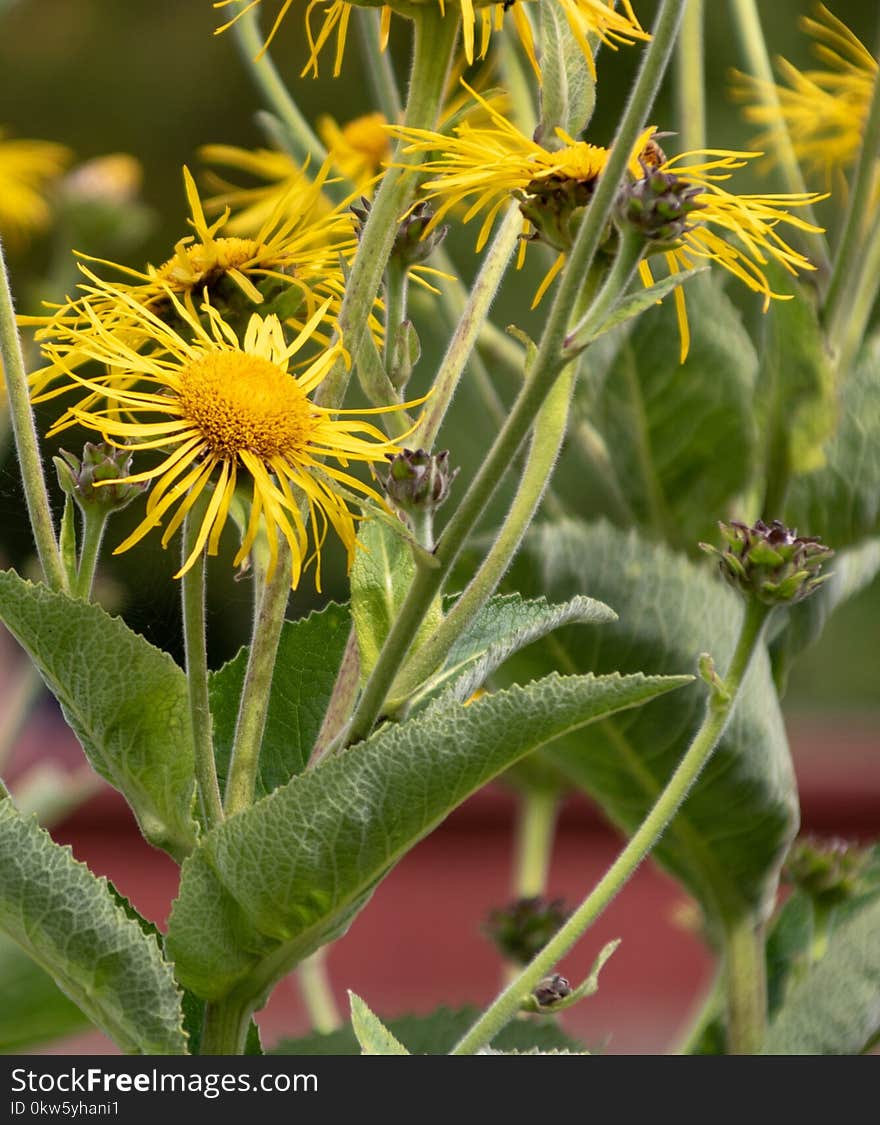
(69,922)
(675,478)
(272,884)
(503,626)
(309,655)
(835,1008)
(568,90)
(372,1035)
(841,501)
(125,700)
(728,840)
(380,580)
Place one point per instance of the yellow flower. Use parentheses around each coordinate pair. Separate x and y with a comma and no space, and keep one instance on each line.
(359,148)
(484,167)
(223,413)
(479,18)
(27,168)
(823,110)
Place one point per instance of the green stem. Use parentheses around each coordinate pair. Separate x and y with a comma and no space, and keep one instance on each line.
(380,70)
(224,1031)
(754,48)
(378,387)
(717,714)
(549,363)
(301,141)
(850,252)
(396,289)
(821,932)
(94,524)
(691,85)
(18,699)
(467,332)
(25,433)
(255,693)
(435,37)
(864,296)
(317,994)
(745,976)
(549,434)
(711,1007)
(534,841)
(192,587)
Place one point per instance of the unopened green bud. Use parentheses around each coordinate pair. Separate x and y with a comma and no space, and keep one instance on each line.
(418,481)
(828,871)
(413,243)
(407,350)
(658,206)
(554,205)
(771,563)
(522,929)
(81,478)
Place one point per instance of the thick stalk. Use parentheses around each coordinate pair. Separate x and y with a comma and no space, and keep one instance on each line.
(534,841)
(690,78)
(467,332)
(745,980)
(94,524)
(192,588)
(549,434)
(317,995)
(225,1028)
(255,693)
(25,433)
(757,60)
(549,362)
(301,141)
(717,714)
(435,37)
(850,252)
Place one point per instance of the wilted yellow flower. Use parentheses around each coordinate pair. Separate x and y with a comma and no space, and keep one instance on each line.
(483,168)
(479,18)
(223,413)
(27,168)
(823,110)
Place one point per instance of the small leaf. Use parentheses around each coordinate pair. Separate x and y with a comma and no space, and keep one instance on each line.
(274,883)
(70,923)
(309,654)
(125,700)
(373,1036)
(568,89)
(835,1008)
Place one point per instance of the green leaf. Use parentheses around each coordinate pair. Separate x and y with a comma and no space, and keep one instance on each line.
(372,1035)
(380,579)
(274,883)
(835,1008)
(841,501)
(635,303)
(729,838)
(125,700)
(70,923)
(34,1009)
(680,436)
(309,654)
(503,626)
(435,1034)
(568,89)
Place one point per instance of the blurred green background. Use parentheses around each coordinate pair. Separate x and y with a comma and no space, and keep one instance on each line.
(148,77)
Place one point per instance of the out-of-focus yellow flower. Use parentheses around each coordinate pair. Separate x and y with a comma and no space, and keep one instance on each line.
(823,110)
(483,168)
(357,149)
(224,412)
(27,169)
(479,19)
(115,178)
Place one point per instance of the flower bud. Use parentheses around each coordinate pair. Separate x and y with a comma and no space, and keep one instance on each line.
(522,929)
(100,462)
(828,871)
(418,481)
(412,245)
(551,990)
(658,206)
(771,563)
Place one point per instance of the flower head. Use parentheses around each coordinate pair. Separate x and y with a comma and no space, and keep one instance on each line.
(224,413)
(598,19)
(822,110)
(27,168)
(769,562)
(482,168)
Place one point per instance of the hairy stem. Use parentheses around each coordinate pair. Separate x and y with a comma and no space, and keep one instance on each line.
(536,822)
(718,711)
(745,980)
(314,984)
(94,525)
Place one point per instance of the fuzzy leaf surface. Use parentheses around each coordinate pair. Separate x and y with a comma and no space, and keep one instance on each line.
(730,836)
(309,654)
(34,1009)
(272,884)
(372,1035)
(125,700)
(568,90)
(70,923)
